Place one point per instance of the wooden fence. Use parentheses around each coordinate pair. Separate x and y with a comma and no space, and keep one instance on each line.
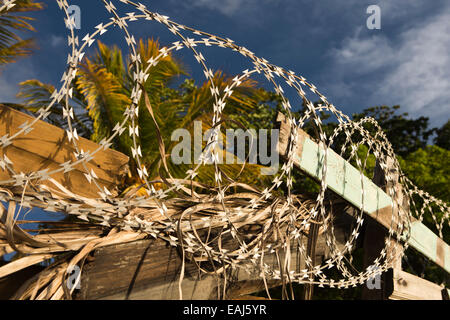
(148,268)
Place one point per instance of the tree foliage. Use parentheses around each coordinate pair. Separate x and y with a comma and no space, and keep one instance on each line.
(406,135)
(429,169)
(101,94)
(442,138)
(12,46)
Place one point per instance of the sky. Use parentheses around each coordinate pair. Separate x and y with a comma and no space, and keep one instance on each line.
(406,62)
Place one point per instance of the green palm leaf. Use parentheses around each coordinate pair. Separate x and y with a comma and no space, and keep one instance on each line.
(106,101)
(102,89)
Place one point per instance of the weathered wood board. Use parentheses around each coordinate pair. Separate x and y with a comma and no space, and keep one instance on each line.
(375,237)
(342,177)
(48,147)
(410,287)
(345,181)
(149,269)
(426,242)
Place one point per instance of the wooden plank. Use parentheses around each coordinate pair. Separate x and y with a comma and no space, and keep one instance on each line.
(342,177)
(47,147)
(74,180)
(345,180)
(410,287)
(426,242)
(375,236)
(149,269)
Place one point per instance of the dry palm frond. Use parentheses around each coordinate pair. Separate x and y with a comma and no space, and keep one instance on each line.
(64,244)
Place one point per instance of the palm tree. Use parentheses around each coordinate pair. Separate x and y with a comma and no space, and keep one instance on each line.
(12,46)
(101,94)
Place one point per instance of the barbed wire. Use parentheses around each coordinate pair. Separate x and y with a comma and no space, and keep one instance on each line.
(283,220)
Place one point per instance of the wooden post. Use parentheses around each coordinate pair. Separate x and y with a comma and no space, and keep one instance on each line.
(375,235)
(395,283)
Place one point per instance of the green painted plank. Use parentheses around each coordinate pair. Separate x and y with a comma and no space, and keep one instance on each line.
(345,180)
(423,240)
(342,178)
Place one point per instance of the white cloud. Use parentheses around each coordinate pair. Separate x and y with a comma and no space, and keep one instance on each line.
(422,78)
(228,7)
(412,70)
(364,53)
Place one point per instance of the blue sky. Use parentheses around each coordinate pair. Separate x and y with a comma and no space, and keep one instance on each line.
(406,62)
